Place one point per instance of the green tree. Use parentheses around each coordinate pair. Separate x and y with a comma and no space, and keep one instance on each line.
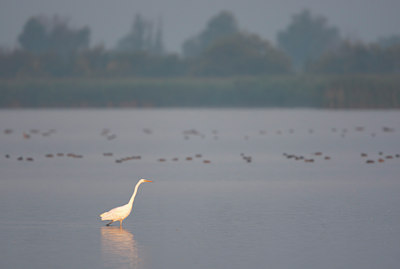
(34,37)
(389,41)
(307,37)
(222,25)
(158,46)
(242,54)
(19,63)
(141,38)
(43,35)
(91,62)
(358,58)
(66,41)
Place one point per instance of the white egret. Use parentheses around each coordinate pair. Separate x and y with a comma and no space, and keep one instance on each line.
(121,212)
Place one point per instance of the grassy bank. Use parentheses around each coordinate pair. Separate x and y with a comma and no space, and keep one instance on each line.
(271,91)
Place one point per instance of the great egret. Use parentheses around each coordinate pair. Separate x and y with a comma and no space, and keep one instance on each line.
(121,212)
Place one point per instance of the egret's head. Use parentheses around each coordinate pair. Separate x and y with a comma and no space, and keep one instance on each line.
(145,180)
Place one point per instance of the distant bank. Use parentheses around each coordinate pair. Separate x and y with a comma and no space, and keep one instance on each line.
(348,92)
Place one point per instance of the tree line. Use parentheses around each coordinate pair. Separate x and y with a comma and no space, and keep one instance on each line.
(49,47)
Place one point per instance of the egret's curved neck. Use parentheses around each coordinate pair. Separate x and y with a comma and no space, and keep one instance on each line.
(134,193)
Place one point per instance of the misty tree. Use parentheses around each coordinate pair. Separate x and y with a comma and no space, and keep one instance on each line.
(18,62)
(158,44)
(67,40)
(41,34)
(142,38)
(358,58)
(307,37)
(219,26)
(34,36)
(389,41)
(242,54)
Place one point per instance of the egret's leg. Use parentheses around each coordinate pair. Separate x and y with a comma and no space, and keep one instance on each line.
(120,223)
(108,224)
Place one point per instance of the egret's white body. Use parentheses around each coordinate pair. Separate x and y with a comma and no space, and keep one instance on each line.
(121,212)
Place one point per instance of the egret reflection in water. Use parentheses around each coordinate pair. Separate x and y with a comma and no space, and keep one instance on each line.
(119,248)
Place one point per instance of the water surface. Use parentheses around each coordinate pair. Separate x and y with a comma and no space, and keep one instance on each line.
(209,206)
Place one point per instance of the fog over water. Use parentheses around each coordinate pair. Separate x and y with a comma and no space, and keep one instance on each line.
(110,20)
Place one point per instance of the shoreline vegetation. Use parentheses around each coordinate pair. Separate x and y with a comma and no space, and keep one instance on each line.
(313,91)
(222,65)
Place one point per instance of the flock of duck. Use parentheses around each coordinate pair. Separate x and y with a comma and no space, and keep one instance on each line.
(379,157)
(307,159)
(376,158)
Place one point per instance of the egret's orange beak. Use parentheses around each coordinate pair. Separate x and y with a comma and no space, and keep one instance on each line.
(147,180)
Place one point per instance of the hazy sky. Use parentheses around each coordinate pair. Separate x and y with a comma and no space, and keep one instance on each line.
(109,20)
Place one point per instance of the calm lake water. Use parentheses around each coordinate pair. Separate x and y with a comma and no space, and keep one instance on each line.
(231,188)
